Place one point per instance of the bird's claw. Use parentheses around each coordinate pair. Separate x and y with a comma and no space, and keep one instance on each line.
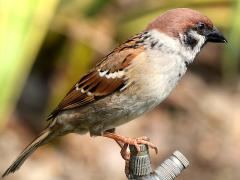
(136,142)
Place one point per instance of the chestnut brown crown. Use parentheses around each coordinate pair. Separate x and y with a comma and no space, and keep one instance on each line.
(178,21)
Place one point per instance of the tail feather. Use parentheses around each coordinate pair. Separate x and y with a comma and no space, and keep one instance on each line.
(44,137)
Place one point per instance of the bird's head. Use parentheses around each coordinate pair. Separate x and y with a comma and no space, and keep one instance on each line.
(189,27)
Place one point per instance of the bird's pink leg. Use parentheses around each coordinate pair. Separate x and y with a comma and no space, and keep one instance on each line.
(125,141)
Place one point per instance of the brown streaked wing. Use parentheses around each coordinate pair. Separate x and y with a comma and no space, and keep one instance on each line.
(92,86)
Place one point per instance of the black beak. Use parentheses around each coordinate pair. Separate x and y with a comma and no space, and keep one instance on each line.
(215,36)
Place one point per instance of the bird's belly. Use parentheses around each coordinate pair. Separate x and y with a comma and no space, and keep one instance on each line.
(106,113)
(122,109)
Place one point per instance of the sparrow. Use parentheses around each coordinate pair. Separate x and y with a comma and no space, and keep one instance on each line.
(133,79)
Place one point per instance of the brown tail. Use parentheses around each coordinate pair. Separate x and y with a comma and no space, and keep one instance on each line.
(44,137)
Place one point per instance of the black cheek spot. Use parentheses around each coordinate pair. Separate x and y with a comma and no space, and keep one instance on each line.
(190,41)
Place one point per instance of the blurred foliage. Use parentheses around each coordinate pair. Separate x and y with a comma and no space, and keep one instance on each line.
(96,7)
(231,62)
(23,25)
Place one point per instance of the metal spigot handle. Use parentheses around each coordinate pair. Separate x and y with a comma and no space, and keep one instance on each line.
(172,166)
(140,165)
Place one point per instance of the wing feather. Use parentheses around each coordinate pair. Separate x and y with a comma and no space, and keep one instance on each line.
(96,84)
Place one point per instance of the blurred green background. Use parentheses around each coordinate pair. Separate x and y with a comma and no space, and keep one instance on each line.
(46,45)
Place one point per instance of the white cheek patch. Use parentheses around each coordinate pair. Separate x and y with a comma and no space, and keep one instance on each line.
(191,53)
(174,45)
(201,39)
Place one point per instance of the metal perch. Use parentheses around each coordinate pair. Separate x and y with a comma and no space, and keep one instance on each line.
(140,165)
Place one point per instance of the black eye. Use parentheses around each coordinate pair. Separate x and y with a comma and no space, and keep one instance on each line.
(200,26)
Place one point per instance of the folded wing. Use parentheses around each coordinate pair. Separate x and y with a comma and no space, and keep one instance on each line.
(107,77)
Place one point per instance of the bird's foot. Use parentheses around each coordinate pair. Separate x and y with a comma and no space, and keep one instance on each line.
(124,142)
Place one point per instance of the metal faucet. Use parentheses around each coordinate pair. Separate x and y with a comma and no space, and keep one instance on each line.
(140,165)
